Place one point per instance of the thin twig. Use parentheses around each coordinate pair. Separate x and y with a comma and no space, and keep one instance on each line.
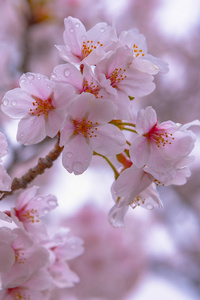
(31,174)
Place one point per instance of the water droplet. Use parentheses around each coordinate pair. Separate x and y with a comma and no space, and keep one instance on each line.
(30,77)
(52,202)
(149,206)
(84,37)
(14,102)
(77,167)
(22,80)
(77,25)
(38,77)
(22,134)
(69,154)
(71,30)
(39,198)
(5,102)
(48,86)
(67,72)
(102,29)
(53,76)
(46,211)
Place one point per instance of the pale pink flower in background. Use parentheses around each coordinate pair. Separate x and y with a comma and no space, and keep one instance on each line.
(63,247)
(21,257)
(113,261)
(83,82)
(28,210)
(87,130)
(5,180)
(41,104)
(85,46)
(160,147)
(143,61)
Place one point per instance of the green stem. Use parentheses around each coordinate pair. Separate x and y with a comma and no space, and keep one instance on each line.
(110,164)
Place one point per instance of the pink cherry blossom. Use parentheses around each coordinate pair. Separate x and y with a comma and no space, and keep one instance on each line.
(160,147)
(29,208)
(116,74)
(21,257)
(85,46)
(87,130)
(41,104)
(63,247)
(5,180)
(132,187)
(83,81)
(143,61)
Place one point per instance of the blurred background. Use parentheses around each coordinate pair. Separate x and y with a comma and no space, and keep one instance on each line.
(157,255)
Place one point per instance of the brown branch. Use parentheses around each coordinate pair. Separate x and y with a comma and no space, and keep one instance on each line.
(31,174)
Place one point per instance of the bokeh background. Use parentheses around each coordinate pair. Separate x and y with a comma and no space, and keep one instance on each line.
(157,255)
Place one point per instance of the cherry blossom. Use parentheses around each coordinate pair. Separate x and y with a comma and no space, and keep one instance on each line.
(41,104)
(160,147)
(148,199)
(29,208)
(132,187)
(63,247)
(5,180)
(87,130)
(85,46)
(22,257)
(143,61)
(83,81)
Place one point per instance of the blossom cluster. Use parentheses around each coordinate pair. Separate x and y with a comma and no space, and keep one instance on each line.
(33,262)
(89,102)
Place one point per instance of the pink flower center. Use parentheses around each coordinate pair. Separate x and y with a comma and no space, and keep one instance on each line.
(85,128)
(159,136)
(138,52)
(30,215)
(92,88)
(116,77)
(88,47)
(19,257)
(41,107)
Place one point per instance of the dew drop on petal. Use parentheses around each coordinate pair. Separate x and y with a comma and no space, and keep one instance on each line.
(149,206)
(14,102)
(77,167)
(22,80)
(67,72)
(39,198)
(52,202)
(46,211)
(84,37)
(38,77)
(30,77)
(48,86)
(102,29)
(77,25)
(69,154)
(5,102)
(53,76)
(22,134)
(71,30)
